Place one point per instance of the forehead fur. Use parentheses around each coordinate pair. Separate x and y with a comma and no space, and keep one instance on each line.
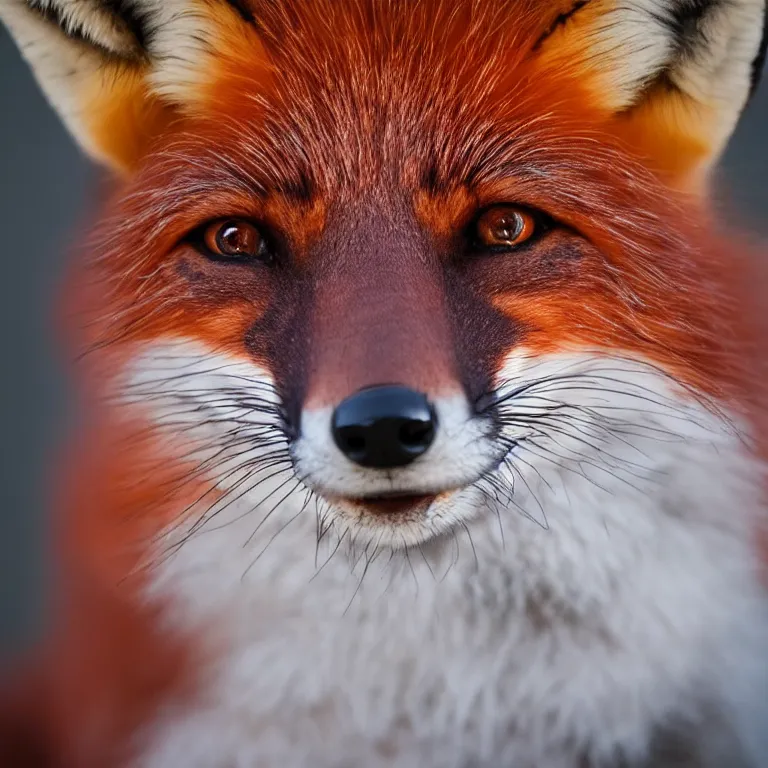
(673,74)
(436,90)
(396,95)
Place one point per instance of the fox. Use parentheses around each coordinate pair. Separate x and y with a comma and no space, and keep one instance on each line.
(423,389)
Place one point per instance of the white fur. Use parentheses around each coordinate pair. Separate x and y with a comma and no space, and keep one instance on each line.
(614,590)
(182,37)
(716,68)
(184,45)
(94,20)
(631,45)
(63,68)
(182,41)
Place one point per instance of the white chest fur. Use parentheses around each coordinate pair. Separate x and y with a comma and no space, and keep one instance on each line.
(602,604)
(440,660)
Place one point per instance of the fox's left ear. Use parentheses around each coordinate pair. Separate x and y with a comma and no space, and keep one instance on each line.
(119,71)
(675,74)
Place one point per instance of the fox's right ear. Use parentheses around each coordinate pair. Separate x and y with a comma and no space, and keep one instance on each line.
(118,71)
(674,75)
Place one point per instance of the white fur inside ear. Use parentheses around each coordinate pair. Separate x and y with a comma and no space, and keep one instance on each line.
(73,46)
(705,49)
(64,67)
(718,67)
(56,35)
(631,46)
(182,38)
(92,20)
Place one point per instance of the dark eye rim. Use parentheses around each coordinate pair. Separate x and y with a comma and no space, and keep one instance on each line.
(543,225)
(267,252)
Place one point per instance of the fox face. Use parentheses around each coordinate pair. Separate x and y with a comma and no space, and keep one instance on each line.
(391,282)
(433,288)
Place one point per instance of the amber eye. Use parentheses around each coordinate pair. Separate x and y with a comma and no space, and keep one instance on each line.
(505,226)
(234,239)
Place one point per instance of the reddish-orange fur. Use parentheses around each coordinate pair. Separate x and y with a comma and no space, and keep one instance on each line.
(109,664)
(650,274)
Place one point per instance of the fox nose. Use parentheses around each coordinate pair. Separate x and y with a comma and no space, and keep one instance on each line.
(384,427)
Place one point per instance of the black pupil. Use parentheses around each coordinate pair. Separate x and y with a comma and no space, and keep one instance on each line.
(235,239)
(509,227)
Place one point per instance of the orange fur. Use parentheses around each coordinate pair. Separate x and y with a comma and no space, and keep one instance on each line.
(292,129)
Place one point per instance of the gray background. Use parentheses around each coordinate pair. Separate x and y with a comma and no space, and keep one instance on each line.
(44,188)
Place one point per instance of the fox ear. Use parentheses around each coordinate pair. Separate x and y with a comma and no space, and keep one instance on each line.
(676,74)
(118,71)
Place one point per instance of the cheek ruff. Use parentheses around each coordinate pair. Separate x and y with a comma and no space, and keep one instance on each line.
(592,592)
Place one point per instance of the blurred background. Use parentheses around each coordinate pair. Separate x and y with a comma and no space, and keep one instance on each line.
(45,189)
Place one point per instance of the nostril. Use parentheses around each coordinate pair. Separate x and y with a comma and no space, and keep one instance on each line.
(384,427)
(352,442)
(416,433)
(355,442)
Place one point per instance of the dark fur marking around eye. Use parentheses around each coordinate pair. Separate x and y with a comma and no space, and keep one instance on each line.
(431,181)
(188,271)
(560,21)
(300,188)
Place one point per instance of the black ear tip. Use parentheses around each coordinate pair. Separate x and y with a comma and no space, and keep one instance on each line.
(80,22)
(758,65)
(130,15)
(243,9)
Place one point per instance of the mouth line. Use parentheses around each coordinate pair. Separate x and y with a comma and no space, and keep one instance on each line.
(405,503)
(392,495)
(393,503)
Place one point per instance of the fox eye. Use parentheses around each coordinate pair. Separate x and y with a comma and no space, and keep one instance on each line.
(233,240)
(505,226)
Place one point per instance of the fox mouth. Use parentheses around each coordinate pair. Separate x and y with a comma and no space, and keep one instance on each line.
(398,519)
(395,503)
(391,505)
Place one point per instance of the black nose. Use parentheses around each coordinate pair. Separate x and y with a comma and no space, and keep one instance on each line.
(384,427)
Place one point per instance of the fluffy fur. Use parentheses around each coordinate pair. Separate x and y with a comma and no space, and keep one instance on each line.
(545,626)
(583,585)
(704,49)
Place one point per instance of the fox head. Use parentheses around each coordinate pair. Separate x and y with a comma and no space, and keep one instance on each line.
(434,279)
(405,258)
